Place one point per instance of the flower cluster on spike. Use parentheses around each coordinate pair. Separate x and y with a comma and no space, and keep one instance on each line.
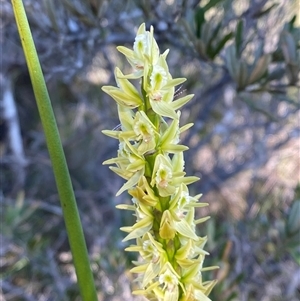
(150,159)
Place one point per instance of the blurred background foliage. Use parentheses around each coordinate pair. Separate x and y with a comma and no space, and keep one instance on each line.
(241,58)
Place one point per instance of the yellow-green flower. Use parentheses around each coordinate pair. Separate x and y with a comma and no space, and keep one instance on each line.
(150,158)
(126,94)
(145,51)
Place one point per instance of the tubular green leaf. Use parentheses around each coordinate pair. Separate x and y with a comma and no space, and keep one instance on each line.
(60,168)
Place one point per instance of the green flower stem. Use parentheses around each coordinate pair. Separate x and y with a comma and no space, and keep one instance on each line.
(60,168)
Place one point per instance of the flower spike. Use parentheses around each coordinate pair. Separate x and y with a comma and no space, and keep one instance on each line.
(151,161)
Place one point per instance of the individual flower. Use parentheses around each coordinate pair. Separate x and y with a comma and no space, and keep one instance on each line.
(170,281)
(126,94)
(169,138)
(154,258)
(145,51)
(160,88)
(143,225)
(130,165)
(145,133)
(162,176)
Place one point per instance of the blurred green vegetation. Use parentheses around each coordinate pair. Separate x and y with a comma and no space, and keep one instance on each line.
(241,59)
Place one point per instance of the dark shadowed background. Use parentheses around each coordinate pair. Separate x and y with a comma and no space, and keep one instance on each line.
(241,60)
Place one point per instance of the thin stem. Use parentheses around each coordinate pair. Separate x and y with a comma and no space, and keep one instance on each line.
(60,168)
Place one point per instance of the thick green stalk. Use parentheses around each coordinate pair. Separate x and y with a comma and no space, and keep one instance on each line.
(60,168)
